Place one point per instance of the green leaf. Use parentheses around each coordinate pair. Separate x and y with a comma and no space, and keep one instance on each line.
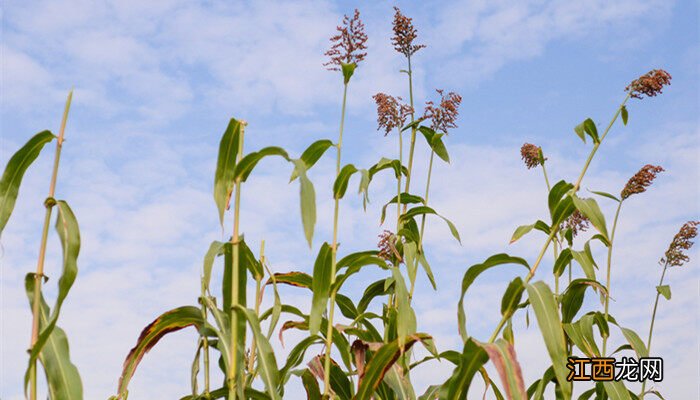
(14,171)
(502,355)
(590,208)
(426,267)
(320,285)
(374,290)
(664,290)
(605,194)
(545,308)
(216,249)
(267,365)
(512,296)
(587,127)
(308,201)
(472,359)
(249,161)
(632,338)
(616,390)
(562,261)
(580,132)
(341,182)
(572,299)
(295,278)
(62,375)
(406,198)
(581,334)
(168,322)
(525,229)
(381,362)
(472,273)
(312,154)
(423,210)
(313,392)
(69,235)
(624,114)
(560,206)
(296,356)
(585,259)
(399,382)
(406,319)
(434,140)
(225,165)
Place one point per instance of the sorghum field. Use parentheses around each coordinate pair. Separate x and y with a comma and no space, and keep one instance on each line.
(332,201)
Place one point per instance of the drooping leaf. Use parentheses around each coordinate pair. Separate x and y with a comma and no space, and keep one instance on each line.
(249,161)
(512,296)
(296,356)
(502,355)
(69,235)
(320,285)
(435,142)
(562,261)
(589,208)
(585,260)
(63,379)
(168,322)
(605,194)
(312,154)
(616,390)
(406,198)
(472,273)
(423,210)
(545,308)
(225,165)
(399,383)
(624,114)
(216,249)
(267,364)
(581,334)
(307,197)
(294,278)
(14,171)
(406,318)
(313,391)
(572,298)
(341,182)
(587,127)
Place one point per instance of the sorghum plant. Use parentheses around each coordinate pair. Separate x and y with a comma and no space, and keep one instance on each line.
(48,343)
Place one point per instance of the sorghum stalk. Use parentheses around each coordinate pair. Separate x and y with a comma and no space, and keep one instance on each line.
(334,253)
(651,326)
(607,279)
(205,340)
(233,354)
(555,229)
(413,130)
(398,184)
(39,275)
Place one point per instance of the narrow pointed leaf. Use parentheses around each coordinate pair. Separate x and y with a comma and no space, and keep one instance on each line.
(249,161)
(307,197)
(312,154)
(423,210)
(502,355)
(63,379)
(225,165)
(590,208)
(545,308)
(435,142)
(472,359)
(320,285)
(14,171)
(341,182)
(616,390)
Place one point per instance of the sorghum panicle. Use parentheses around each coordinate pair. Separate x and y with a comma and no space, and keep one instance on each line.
(444,115)
(577,222)
(387,249)
(530,155)
(391,113)
(348,44)
(404,34)
(640,181)
(675,255)
(649,84)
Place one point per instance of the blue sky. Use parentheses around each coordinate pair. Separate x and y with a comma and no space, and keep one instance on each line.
(156,82)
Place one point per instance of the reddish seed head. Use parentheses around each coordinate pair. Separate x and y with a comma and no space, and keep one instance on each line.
(577,222)
(444,115)
(404,34)
(675,255)
(348,44)
(531,155)
(386,245)
(649,84)
(640,181)
(391,113)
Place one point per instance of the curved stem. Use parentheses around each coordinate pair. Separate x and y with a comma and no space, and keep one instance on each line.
(555,229)
(39,275)
(651,326)
(607,280)
(334,253)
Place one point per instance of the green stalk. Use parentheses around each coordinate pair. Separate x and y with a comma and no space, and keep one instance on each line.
(413,130)
(422,222)
(651,326)
(607,280)
(555,245)
(42,247)
(555,229)
(334,252)
(205,341)
(232,372)
(258,300)
(398,184)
